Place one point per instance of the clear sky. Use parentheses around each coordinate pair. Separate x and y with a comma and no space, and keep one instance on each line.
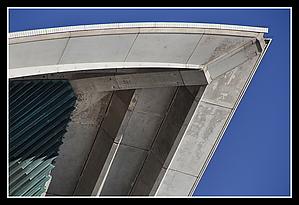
(253,157)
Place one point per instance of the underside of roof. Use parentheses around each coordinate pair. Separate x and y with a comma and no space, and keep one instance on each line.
(153,101)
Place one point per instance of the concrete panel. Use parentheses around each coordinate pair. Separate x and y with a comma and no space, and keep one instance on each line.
(175,184)
(91,107)
(182,129)
(233,59)
(147,177)
(228,62)
(72,155)
(199,138)
(104,48)
(153,100)
(105,170)
(225,89)
(114,117)
(211,47)
(170,48)
(141,129)
(95,163)
(37,53)
(172,123)
(123,171)
(157,182)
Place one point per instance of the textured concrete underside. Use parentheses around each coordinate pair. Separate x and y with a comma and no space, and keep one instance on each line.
(142,124)
(153,101)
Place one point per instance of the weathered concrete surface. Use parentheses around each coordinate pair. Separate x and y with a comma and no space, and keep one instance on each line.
(212,47)
(166,140)
(175,184)
(170,48)
(200,136)
(225,89)
(127,162)
(173,122)
(137,133)
(98,155)
(72,156)
(81,131)
(155,141)
(209,121)
(90,107)
(234,58)
(119,48)
(38,53)
(109,48)
(103,141)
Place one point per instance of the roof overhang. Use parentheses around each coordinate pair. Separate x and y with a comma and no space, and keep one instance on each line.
(204,70)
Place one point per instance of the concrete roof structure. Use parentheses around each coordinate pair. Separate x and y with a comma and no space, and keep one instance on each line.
(153,99)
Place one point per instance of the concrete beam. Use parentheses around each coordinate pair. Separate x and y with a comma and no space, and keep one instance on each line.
(141,80)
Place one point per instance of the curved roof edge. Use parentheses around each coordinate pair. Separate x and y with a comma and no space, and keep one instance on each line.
(136,25)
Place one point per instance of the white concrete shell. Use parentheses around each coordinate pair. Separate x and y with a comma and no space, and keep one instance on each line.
(221,59)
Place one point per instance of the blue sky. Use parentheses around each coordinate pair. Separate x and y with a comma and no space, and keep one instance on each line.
(253,157)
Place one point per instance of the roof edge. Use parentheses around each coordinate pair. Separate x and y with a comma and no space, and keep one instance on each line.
(135,25)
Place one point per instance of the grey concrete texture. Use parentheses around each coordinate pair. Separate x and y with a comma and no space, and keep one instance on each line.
(103,83)
(170,48)
(141,130)
(137,116)
(225,89)
(103,48)
(114,116)
(159,79)
(36,53)
(199,137)
(153,100)
(90,107)
(212,47)
(152,170)
(127,163)
(122,79)
(100,149)
(168,134)
(172,123)
(208,123)
(72,156)
(175,184)
(95,163)
(234,58)
(184,48)
(147,176)
(138,130)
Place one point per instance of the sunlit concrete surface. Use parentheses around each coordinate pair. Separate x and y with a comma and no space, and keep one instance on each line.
(153,100)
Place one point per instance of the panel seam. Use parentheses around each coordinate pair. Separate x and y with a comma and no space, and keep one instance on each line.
(194,48)
(63,52)
(132,45)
